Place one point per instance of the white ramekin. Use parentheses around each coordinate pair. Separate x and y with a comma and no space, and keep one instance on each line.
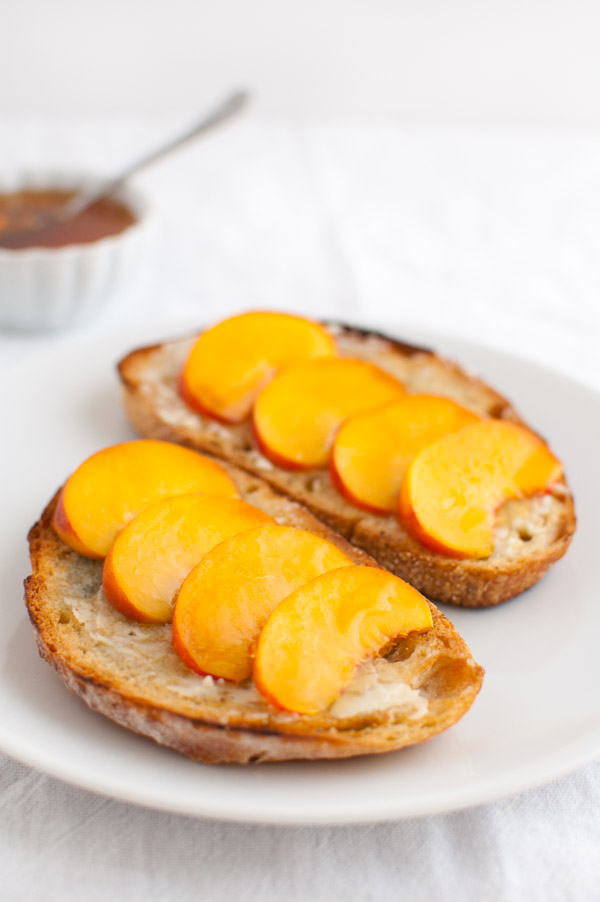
(53,288)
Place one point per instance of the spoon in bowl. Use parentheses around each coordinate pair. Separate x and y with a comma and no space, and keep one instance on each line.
(44,220)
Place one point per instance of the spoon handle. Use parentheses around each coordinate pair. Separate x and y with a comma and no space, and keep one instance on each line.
(233,104)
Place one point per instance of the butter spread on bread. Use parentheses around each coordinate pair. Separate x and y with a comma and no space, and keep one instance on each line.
(531,534)
(129,671)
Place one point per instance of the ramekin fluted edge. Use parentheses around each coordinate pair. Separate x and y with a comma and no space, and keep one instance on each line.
(54,288)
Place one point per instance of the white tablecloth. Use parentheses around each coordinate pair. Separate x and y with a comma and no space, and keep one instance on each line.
(493,238)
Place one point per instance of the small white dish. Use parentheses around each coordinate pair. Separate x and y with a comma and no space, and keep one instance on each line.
(536,718)
(51,288)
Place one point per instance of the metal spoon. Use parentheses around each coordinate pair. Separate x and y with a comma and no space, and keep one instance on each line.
(88,196)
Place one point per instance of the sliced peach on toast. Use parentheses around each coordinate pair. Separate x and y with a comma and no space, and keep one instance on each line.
(452,488)
(372,450)
(154,553)
(297,415)
(112,486)
(226,599)
(232,361)
(313,641)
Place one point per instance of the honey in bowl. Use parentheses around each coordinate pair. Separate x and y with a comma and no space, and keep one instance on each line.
(19,212)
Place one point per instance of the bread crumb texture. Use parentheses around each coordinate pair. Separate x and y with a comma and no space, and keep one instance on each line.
(130,672)
(531,534)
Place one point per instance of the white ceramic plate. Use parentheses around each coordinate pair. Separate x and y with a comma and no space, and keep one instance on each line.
(536,718)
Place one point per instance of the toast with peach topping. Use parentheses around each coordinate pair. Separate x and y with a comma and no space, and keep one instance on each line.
(530,534)
(129,671)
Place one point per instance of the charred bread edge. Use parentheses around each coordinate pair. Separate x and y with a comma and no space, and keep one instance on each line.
(467,583)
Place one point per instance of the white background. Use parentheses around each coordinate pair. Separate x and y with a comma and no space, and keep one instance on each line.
(489,63)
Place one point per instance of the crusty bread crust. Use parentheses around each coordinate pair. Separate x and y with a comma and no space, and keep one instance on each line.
(130,672)
(530,537)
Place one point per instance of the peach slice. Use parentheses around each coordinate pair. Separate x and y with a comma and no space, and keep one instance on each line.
(115,484)
(232,361)
(452,488)
(297,415)
(313,641)
(224,602)
(154,553)
(372,450)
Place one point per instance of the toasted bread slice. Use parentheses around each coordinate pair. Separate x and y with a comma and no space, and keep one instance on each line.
(531,534)
(130,672)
